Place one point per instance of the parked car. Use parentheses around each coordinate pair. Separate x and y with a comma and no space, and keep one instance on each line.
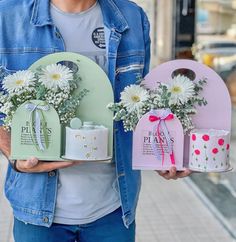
(206,51)
(232,31)
(225,65)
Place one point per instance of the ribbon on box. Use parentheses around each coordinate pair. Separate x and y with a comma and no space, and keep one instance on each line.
(160,127)
(38,124)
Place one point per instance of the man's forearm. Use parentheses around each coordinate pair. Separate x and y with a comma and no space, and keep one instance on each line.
(5,142)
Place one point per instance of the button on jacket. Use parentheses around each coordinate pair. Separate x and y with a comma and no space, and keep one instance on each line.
(27,34)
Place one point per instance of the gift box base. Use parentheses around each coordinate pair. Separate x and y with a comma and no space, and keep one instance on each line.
(212,171)
(153,168)
(107,159)
(55,158)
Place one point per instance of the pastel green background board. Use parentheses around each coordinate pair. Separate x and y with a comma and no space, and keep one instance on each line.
(93,107)
(22,145)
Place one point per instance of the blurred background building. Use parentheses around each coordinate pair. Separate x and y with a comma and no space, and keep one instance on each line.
(204,30)
(179,25)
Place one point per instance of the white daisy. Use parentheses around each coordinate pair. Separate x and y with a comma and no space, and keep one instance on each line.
(56,76)
(182,89)
(133,97)
(18,81)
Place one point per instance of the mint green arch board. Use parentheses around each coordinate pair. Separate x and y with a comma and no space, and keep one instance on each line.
(93,107)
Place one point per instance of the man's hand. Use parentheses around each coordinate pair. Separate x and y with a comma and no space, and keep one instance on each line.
(174,174)
(5,142)
(33,165)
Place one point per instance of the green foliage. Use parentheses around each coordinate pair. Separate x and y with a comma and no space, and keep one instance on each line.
(64,101)
(158,99)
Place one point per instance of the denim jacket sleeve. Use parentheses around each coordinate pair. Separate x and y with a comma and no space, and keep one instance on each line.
(147,40)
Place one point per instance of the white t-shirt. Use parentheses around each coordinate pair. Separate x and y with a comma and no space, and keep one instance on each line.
(88,191)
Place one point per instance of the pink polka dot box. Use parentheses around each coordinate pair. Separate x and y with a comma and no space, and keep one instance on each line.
(209,150)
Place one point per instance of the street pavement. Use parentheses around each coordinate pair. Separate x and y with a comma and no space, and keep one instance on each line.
(169,211)
(220,190)
(5,210)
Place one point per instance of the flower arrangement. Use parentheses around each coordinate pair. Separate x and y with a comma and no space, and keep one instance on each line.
(54,84)
(181,96)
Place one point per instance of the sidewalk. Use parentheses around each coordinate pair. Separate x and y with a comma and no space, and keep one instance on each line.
(5,211)
(168,212)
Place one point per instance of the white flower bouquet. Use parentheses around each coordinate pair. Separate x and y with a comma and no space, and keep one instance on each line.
(181,96)
(54,84)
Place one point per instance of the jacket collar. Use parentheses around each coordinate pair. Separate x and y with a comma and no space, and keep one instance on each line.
(41,13)
(113,18)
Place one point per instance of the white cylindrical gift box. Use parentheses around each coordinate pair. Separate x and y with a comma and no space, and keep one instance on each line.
(87,143)
(209,150)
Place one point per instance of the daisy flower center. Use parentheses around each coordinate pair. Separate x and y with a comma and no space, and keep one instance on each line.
(176,89)
(56,77)
(19,82)
(135,98)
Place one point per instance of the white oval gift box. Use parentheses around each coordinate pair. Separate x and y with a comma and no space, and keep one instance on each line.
(209,150)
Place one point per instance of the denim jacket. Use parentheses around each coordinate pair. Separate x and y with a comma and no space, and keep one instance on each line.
(27,34)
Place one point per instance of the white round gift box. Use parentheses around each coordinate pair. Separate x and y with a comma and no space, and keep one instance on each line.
(209,150)
(90,143)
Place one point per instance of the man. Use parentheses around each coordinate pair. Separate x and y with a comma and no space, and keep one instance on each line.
(66,201)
